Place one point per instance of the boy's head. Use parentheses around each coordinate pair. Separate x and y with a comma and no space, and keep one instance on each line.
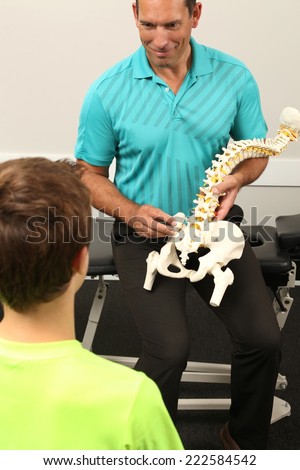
(45,221)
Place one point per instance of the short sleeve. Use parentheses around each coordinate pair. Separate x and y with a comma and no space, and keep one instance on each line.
(96,143)
(150,426)
(249,122)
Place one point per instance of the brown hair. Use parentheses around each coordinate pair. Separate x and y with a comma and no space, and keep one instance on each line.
(189,3)
(45,219)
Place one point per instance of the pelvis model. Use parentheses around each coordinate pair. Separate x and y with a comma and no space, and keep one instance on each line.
(224,240)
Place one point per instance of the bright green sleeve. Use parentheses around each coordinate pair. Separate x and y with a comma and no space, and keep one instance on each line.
(150,426)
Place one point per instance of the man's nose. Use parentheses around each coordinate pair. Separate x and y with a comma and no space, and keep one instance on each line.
(160,37)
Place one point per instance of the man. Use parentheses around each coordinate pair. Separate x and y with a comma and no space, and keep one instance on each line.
(163,114)
(53,393)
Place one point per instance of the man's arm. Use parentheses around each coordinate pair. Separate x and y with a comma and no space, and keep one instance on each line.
(243,174)
(147,221)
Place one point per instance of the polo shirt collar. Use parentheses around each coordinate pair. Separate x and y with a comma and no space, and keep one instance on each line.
(142,68)
(201,64)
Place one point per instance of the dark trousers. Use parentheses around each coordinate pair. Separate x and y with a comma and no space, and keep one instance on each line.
(245,310)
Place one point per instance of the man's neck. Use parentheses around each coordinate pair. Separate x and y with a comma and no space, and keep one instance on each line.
(172,78)
(174,75)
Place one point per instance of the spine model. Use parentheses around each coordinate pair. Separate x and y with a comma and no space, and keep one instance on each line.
(192,235)
(223,240)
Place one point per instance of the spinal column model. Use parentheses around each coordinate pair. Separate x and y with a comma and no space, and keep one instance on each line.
(224,240)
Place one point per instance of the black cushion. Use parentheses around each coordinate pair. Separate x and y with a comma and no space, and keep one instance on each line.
(288,230)
(101,257)
(264,241)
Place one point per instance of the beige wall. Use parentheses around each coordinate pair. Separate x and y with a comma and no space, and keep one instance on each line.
(262,204)
(51,50)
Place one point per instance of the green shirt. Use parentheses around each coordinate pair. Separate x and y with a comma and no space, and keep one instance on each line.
(163,142)
(60,396)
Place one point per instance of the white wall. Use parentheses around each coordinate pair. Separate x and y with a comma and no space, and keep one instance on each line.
(51,50)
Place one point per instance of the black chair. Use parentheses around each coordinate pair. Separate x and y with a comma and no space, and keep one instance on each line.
(278,251)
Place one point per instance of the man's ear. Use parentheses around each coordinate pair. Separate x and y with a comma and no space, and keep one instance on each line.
(81,261)
(135,14)
(196,14)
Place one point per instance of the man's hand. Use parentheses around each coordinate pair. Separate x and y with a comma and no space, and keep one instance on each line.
(150,222)
(228,191)
(243,174)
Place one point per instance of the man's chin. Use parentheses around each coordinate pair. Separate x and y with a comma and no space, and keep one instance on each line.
(159,63)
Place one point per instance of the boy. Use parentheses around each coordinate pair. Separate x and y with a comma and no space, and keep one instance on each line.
(53,393)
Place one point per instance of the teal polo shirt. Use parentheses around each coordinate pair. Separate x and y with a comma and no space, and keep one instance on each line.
(163,142)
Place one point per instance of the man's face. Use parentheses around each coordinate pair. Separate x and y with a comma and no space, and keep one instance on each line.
(165,28)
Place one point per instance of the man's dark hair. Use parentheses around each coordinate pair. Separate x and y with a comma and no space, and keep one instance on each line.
(189,3)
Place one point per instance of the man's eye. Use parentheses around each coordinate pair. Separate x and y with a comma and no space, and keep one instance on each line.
(172,25)
(147,25)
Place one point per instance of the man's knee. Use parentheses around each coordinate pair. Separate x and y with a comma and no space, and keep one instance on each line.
(267,346)
(175,352)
